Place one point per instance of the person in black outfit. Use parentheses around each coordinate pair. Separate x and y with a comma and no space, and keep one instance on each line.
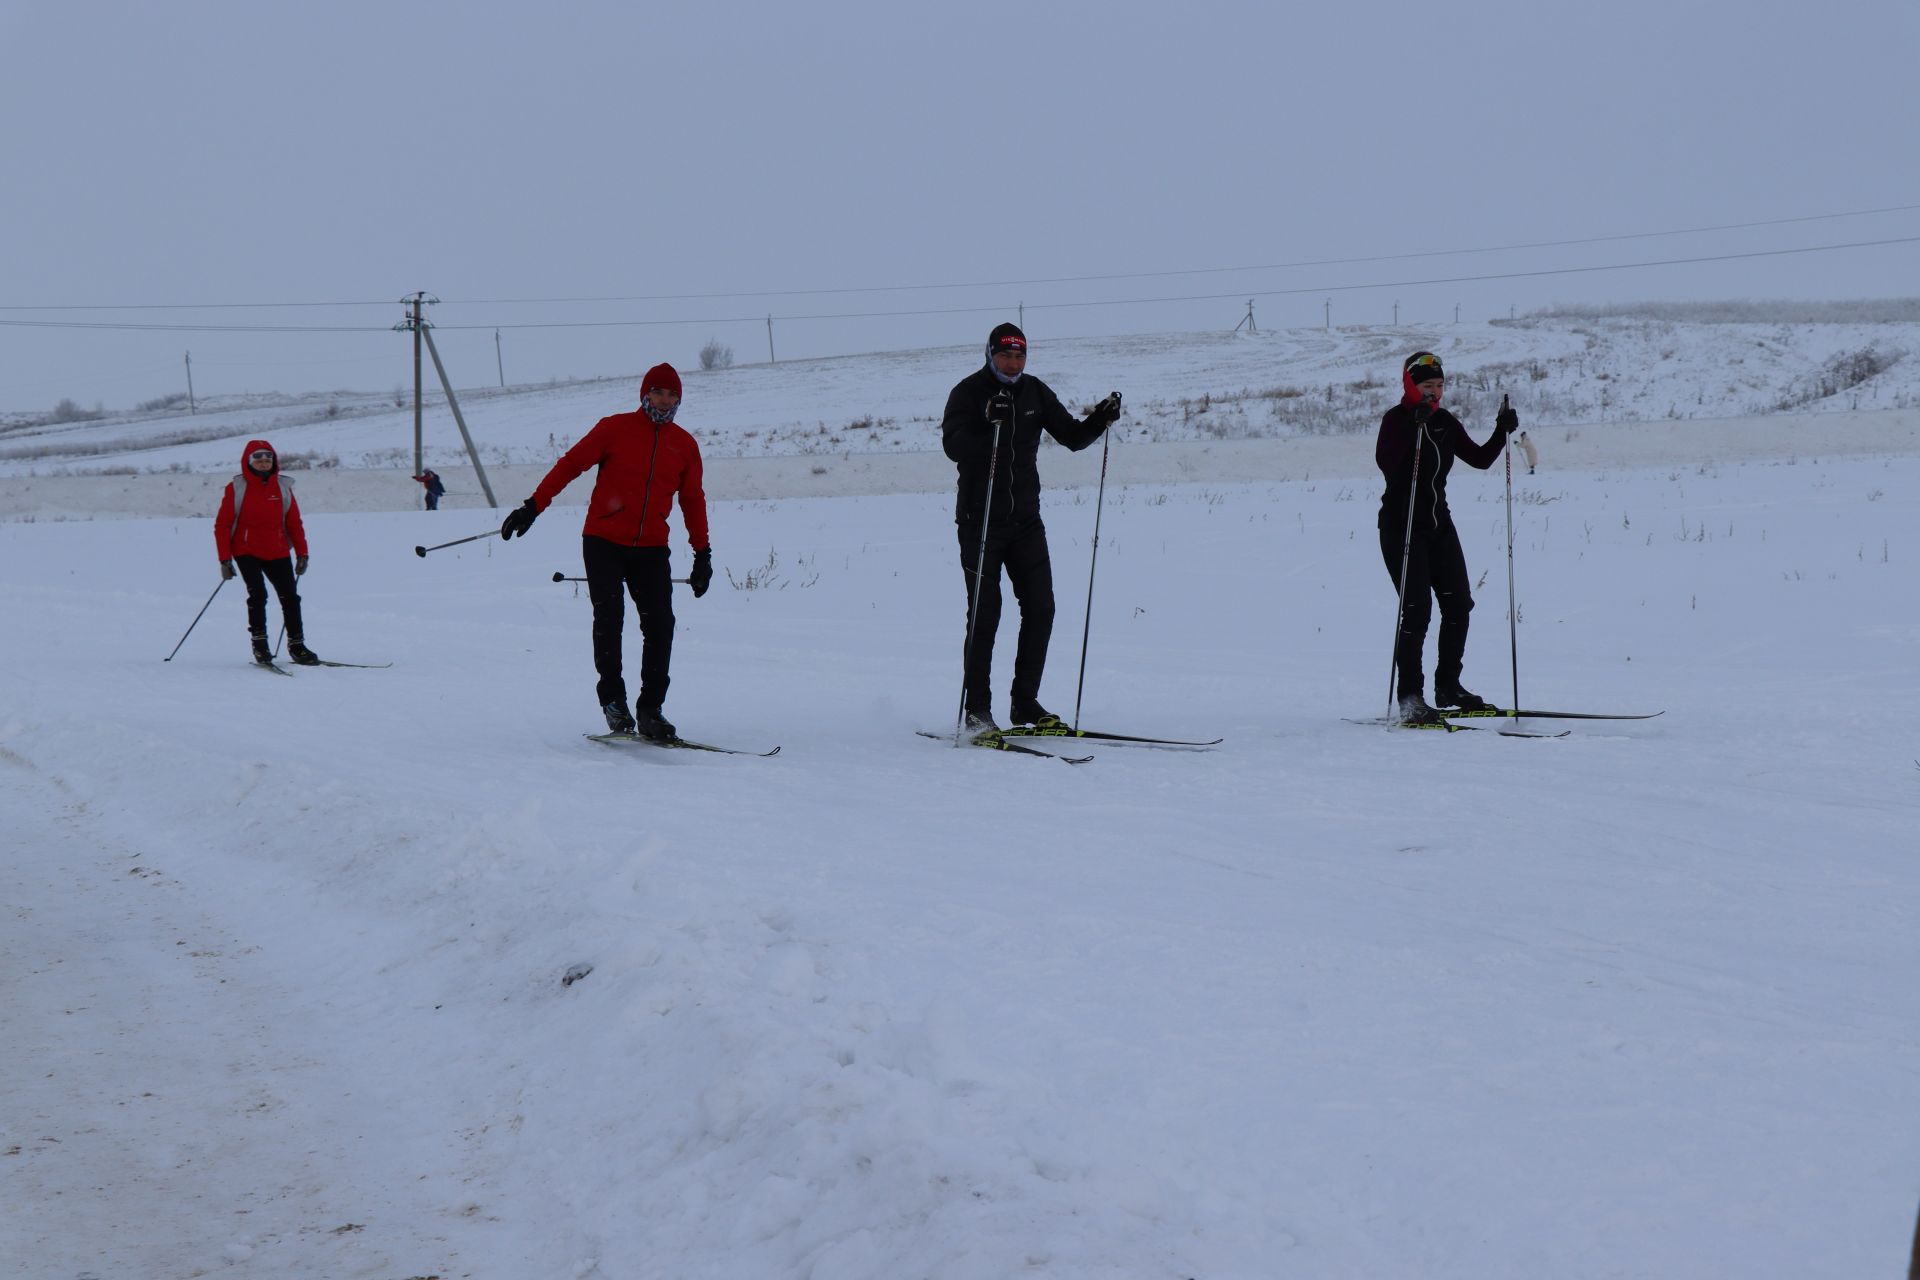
(1417,529)
(1002,397)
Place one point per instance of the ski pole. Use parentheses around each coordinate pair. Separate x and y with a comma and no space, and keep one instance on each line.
(422,551)
(1086,628)
(196,620)
(1513,618)
(1406,557)
(978,584)
(561,577)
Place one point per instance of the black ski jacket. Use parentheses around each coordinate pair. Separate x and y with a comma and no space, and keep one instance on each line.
(968,439)
(1441,442)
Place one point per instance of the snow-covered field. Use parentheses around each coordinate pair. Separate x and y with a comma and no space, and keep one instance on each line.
(283,959)
(1560,372)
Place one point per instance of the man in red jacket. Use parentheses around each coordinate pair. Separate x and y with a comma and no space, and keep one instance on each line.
(644,460)
(258,533)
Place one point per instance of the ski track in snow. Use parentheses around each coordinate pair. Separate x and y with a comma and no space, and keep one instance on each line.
(283,957)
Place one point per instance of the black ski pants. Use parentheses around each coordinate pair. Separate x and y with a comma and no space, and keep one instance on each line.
(1022,552)
(257,573)
(1436,570)
(613,572)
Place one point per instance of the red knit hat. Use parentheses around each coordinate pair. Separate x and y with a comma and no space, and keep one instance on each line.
(662,376)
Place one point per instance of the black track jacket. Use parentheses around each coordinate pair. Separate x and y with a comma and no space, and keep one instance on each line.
(1443,440)
(968,438)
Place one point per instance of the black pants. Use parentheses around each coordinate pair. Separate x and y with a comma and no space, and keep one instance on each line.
(257,573)
(1022,552)
(1436,570)
(643,572)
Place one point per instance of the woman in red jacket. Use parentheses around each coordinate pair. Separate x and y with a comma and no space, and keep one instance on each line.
(258,533)
(644,460)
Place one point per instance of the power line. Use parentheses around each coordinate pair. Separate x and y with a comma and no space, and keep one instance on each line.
(1495,275)
(1193,271)
(196,328)
(184,306)
(976,284)
(972,310)
(1214,297)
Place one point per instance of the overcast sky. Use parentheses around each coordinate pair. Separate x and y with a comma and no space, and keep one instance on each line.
(488,152)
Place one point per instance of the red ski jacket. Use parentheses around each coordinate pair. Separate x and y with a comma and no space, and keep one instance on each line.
(642,467)
(259,516)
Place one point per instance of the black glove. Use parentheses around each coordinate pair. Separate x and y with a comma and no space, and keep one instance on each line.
(299,566)
(1000,408)
(520,519)
(702,576)
(227,571)
(1106,413)
(1421,412)
(1506,420)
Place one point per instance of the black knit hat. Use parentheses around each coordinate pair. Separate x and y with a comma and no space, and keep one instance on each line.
(1423,366)
(1006,337)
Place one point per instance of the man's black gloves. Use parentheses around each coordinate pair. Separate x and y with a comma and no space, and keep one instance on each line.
(702,576)
(520,519)
(1106,413)
(1506,420)
(299,566)
(1000,408)
(227,571)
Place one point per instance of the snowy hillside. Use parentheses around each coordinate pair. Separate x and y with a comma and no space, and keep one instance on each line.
(1179,387)
(392,973)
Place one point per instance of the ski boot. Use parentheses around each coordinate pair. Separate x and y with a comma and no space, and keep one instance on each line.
(1029,711)
(619,719)
(977,721)
(1416,714)
(1453,695)
(651,725)
(261,654)
(301,655)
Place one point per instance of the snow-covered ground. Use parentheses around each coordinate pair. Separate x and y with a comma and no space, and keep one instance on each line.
(283,959)
(1560,372)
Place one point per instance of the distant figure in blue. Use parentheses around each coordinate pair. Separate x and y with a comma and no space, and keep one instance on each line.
(434,489)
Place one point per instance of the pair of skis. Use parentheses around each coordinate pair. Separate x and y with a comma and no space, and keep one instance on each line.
(677,743)
(1445,723)
(279,670)
(1004,740)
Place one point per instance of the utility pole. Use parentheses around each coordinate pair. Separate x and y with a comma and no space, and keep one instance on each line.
(1396,313)
(1329,310)
(1023,315)
(190,405)
(499,363)
(1456,313)
(416,323)
(1247,319)
(446,384)
(770,359)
